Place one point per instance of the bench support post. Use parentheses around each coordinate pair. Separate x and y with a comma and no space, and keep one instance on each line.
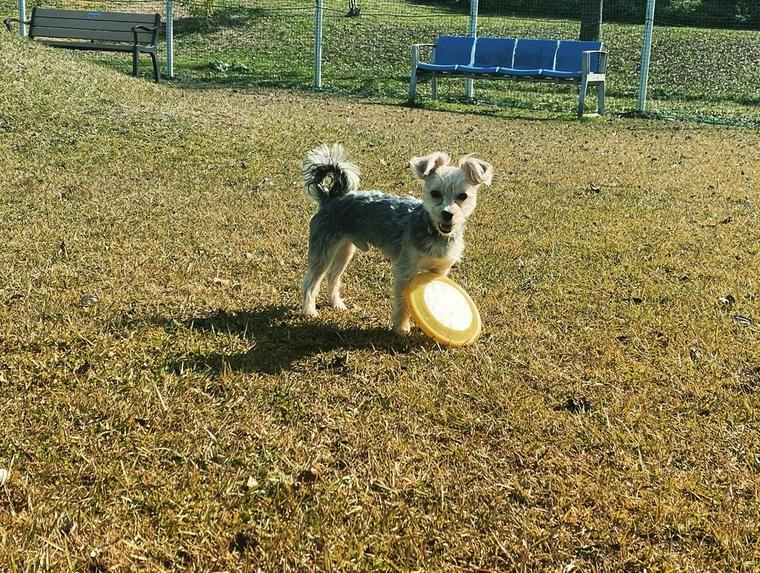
(135,62)
(582,89)
(22,17)
(469,84)
(412,94)
(318,16)
(597,78)
(170,38)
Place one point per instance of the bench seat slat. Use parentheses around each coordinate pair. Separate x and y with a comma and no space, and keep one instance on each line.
(105,35)
(521,72)
(95,15)
(439,67)
(89,46)
(479,69)
(560,74)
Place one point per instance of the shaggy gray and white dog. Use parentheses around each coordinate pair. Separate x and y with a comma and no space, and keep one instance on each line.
(416,235)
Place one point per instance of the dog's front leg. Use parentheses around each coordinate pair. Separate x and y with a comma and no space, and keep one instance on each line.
(442,268)
(402,274)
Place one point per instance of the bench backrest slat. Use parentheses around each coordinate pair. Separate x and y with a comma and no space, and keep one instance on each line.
(494,52)
(91,25)
(135,18)
(104,35)
(535,54)
(453,50)
(71,24)
(570,53)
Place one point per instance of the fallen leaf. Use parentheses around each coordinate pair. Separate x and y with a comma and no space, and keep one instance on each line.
(88,300)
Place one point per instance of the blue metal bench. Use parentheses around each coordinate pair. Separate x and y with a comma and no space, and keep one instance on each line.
(565,61)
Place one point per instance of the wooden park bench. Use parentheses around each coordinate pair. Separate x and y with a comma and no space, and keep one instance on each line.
(103,31)
(580,62)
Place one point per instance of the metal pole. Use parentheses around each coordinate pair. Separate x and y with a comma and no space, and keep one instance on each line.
(318,45)
(22,17)
(646,52)
(469,89)
(170,38)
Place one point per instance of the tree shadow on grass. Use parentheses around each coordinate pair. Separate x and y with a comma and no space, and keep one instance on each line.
(227,17)
(279,338)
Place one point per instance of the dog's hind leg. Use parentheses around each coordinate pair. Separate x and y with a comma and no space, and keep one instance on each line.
(402,274)
(319,262)
(340,261)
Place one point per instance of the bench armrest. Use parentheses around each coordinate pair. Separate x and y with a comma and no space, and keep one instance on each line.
(601,65)
(416,53)
(142,28)
(8,22)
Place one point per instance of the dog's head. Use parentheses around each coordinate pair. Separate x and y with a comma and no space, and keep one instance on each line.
(449,193)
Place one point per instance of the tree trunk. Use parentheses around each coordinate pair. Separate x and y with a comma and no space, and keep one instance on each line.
(591,19)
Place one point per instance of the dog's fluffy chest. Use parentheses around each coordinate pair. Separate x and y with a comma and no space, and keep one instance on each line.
(441,254)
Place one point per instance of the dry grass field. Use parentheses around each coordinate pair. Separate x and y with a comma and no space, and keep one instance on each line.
(164,406)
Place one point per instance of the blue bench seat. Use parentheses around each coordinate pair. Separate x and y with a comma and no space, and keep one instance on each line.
(427,66)
(580,62)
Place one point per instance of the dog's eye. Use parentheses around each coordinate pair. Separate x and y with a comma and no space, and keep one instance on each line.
(435,194)
(462,197)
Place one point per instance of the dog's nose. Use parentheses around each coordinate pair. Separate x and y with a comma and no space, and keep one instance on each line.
(446,216)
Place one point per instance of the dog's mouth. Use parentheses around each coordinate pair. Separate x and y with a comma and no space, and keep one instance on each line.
(445,227)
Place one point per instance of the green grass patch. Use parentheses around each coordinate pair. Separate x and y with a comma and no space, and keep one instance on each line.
(703,74)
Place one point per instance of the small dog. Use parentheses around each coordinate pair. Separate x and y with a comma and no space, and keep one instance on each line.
(416,235)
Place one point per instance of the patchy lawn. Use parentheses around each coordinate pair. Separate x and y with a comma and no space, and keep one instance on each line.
(166,407)
(702,74)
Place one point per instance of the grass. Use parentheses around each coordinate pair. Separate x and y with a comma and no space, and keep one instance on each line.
(269,44)
(369,56)
(166,407)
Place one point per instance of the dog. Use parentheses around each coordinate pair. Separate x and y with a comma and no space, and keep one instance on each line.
(417,235)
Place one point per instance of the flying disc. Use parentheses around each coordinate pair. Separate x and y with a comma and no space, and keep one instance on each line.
(443,309)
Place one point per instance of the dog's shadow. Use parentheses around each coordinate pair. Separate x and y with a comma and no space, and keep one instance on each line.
(278,339)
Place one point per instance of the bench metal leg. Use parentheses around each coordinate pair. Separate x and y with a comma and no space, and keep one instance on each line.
(434,86)
(135,63)
(582,89)
(410,97)
(156,69)
(600,101)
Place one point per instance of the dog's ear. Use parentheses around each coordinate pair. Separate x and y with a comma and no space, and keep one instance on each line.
(423,167)
(476,170)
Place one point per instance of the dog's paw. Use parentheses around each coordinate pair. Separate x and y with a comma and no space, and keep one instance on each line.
(310,313)
(339,304)
(402,330)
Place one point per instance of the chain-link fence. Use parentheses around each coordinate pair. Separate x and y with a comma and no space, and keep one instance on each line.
(705,60)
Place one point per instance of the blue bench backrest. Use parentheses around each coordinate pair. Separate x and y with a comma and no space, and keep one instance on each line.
(454,50)
(569,54)
(494,52)
(535,54)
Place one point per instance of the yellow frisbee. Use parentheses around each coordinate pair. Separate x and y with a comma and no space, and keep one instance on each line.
(443,310)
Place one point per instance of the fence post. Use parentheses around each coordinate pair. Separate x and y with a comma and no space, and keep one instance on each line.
(22,17)
(646,52)
(469,90)
(318,44)
(170,38)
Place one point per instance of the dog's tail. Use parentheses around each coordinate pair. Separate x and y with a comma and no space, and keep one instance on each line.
(327,173)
